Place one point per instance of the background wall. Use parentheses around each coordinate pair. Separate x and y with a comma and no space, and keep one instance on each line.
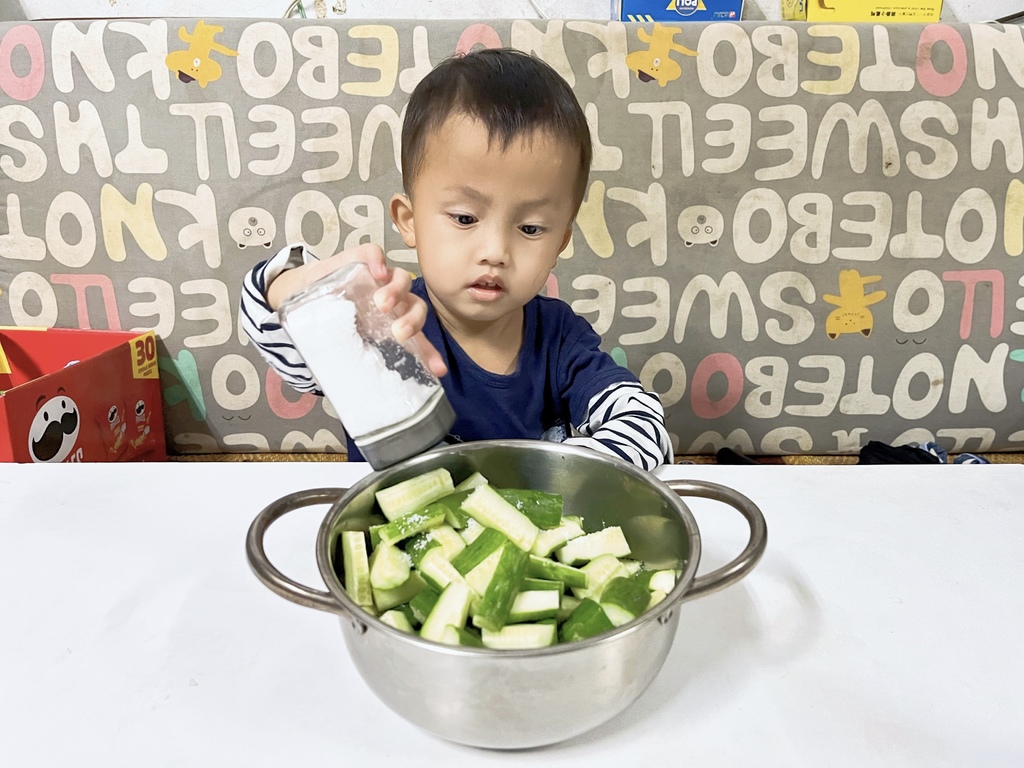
(953,10)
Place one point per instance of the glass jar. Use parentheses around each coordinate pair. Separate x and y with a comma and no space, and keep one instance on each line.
(390,404)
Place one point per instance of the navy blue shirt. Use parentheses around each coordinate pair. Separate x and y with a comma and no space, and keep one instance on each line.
(560,369)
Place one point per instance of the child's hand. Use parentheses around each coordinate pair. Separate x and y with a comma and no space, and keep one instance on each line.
(410,309)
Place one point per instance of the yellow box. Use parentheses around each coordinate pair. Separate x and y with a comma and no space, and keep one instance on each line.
(879,11)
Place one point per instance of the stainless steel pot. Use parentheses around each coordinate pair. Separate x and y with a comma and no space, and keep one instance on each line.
(516,699)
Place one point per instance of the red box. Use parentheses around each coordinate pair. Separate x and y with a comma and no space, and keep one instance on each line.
(79,395)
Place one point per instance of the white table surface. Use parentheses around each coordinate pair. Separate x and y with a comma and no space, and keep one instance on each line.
(884,627)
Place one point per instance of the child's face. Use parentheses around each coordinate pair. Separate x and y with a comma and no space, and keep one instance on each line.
(487,224)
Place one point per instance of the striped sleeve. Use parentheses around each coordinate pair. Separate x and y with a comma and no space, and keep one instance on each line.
(261,324)
(626,421)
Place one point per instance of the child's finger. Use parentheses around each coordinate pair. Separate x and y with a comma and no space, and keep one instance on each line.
(411,314)
(392,295)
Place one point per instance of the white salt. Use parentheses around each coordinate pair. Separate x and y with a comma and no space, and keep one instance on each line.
(352,372)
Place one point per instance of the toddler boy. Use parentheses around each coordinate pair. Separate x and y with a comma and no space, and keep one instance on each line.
(495,163)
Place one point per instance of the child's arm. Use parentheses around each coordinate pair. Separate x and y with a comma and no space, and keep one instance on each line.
(626,421)
(267,285)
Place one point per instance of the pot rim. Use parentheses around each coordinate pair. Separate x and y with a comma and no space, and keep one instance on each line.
(362,620)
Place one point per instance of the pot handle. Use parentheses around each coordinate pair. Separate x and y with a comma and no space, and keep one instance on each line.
(747,559)
(275,580)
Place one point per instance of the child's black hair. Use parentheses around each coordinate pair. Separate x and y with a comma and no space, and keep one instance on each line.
(512,93)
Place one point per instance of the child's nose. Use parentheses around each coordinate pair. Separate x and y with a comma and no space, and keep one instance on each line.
(494,249)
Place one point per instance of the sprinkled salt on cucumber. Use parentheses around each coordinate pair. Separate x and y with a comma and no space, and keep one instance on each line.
(415,493)
(487,507)
(409,525)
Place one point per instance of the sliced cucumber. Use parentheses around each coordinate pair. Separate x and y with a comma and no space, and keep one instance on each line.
(487,542)
(542,568)
(460,636)
(437,571)
(543,509)
(398,620)
(390,567)
(480,575)
(548,541)
(656,597)
(386,599)
(586,621)
(623,599)
(451,543)
(534,605)
(530,584)
(452,608)
(600,571)
(520,636)
(491,612)
(415,493)
(472,530)
(566,605)
(423,603)
(451,506)
(357,568)
(487,507)
(409,525)
(663,581)
(471,482)
(608,541)
(417,547)
(633,567)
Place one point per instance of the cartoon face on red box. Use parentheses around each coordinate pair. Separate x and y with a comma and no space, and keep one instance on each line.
(54,430)
(141,421)
(113,426)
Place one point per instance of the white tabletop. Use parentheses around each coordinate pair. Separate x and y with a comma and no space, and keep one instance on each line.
(883,627)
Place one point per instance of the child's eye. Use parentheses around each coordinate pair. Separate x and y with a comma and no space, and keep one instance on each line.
(463,219)
(531,229)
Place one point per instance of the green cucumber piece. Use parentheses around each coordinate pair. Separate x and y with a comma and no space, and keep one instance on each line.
(356,568)
(471,482)
(409,525)
(417,547)
(543,509)
(566,606)
(487,542)
(460,636)
(389,567)
(414,494)
(375,535)
(663,580)
(535,584)
(487,507)
(472,531)
(437,571)
(534,605)
(491,612)
(451,506)
(450,541)
(600,571)
(398,620)
(521,636)
(586,621)
(607,541)
(624,597)
(386,599)
(542,568)
(550,540)
(423,603)
(451,608)
(480,576)
(633,567)
(656,597)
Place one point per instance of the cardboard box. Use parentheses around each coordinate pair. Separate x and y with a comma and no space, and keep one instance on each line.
(677,10)
(79,395)
(922,11)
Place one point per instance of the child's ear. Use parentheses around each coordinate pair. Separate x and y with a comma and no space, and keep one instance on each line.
(566,238)
(401,214)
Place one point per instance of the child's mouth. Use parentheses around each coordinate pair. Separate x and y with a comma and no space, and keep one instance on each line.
(486,290)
